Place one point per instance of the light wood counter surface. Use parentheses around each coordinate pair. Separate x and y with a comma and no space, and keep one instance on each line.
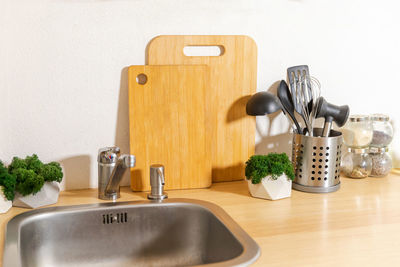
(359,225)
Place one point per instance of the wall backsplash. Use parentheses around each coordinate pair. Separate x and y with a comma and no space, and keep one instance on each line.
(63,68)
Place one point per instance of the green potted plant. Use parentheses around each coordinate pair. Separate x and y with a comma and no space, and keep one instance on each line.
(270,176)
(37,184)
(7,187)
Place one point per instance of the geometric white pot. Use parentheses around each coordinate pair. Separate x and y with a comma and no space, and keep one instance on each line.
(271,189)
(46,196)
(5,204)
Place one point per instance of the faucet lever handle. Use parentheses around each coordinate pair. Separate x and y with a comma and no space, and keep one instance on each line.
(129,161)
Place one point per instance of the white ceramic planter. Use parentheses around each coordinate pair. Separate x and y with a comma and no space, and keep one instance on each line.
(46,196)
(5,204)
(271,189)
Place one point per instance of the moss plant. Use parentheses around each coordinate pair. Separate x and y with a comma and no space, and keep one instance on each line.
(33,163)
(8,182)
(28,182)
(51,172)
(31,173)
(273,164)
(16,163)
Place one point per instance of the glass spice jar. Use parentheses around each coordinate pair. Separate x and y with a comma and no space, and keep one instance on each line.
(356,163)
(382,133)
(357,132)
(381,161)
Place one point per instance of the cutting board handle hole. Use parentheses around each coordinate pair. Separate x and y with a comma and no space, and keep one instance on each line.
(203,50)
(141,79)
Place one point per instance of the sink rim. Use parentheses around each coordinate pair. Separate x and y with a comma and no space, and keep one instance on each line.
(251,250)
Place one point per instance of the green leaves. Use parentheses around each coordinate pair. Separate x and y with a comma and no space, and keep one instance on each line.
(8,181)
(33,163)
(28,182)
(51,172)
(273,164)
(16,164)
(27,176)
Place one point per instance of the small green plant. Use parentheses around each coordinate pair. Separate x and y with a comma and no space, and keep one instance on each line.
(273,164)
(16,163)
(8,181)
(28,182)
(30,174)
(51,172)
(33,163)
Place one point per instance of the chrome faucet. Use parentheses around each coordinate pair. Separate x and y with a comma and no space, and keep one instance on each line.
(111,168)
(157,182)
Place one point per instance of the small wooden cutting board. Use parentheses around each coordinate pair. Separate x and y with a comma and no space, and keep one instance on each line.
(168,126)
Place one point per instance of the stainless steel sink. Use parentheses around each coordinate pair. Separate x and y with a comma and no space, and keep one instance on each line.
(175,232)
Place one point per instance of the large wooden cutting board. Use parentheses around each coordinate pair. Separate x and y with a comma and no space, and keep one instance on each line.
(167,125)
(233,78)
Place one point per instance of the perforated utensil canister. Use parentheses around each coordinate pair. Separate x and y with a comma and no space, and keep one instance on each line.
(316,162)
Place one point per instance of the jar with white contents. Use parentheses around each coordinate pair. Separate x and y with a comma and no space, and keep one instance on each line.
(358,131)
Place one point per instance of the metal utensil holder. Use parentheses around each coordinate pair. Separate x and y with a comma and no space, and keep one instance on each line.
(316,162)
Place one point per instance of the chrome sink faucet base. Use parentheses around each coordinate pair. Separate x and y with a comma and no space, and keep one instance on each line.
(111,168)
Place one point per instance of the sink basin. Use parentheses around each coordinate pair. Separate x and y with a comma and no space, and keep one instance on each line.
(175,232)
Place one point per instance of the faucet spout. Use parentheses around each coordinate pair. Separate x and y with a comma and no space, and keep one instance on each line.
(111,169)
(123,163)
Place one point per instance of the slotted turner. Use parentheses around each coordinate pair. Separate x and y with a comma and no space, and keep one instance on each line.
(300,89)
(296,75)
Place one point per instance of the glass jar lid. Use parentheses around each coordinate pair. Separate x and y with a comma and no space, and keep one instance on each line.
(357,150)
(358,118)
(379,117)
(378,149)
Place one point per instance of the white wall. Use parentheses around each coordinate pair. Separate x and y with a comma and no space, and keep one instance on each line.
(63,63)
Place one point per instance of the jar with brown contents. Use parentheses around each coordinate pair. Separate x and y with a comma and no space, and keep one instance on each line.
(381,161)
(356,163)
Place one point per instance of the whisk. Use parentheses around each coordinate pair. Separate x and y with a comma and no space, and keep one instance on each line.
(308,92)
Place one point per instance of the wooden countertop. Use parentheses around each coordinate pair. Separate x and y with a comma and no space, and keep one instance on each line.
(359,225)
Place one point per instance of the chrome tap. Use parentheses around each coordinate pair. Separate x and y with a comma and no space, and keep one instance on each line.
(157,182)
(111,168)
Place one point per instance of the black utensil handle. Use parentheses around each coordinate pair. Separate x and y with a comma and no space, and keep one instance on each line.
(292,118)
(297,126)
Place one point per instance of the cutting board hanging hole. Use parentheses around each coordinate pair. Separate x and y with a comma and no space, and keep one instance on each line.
(141,79)
(203,50)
